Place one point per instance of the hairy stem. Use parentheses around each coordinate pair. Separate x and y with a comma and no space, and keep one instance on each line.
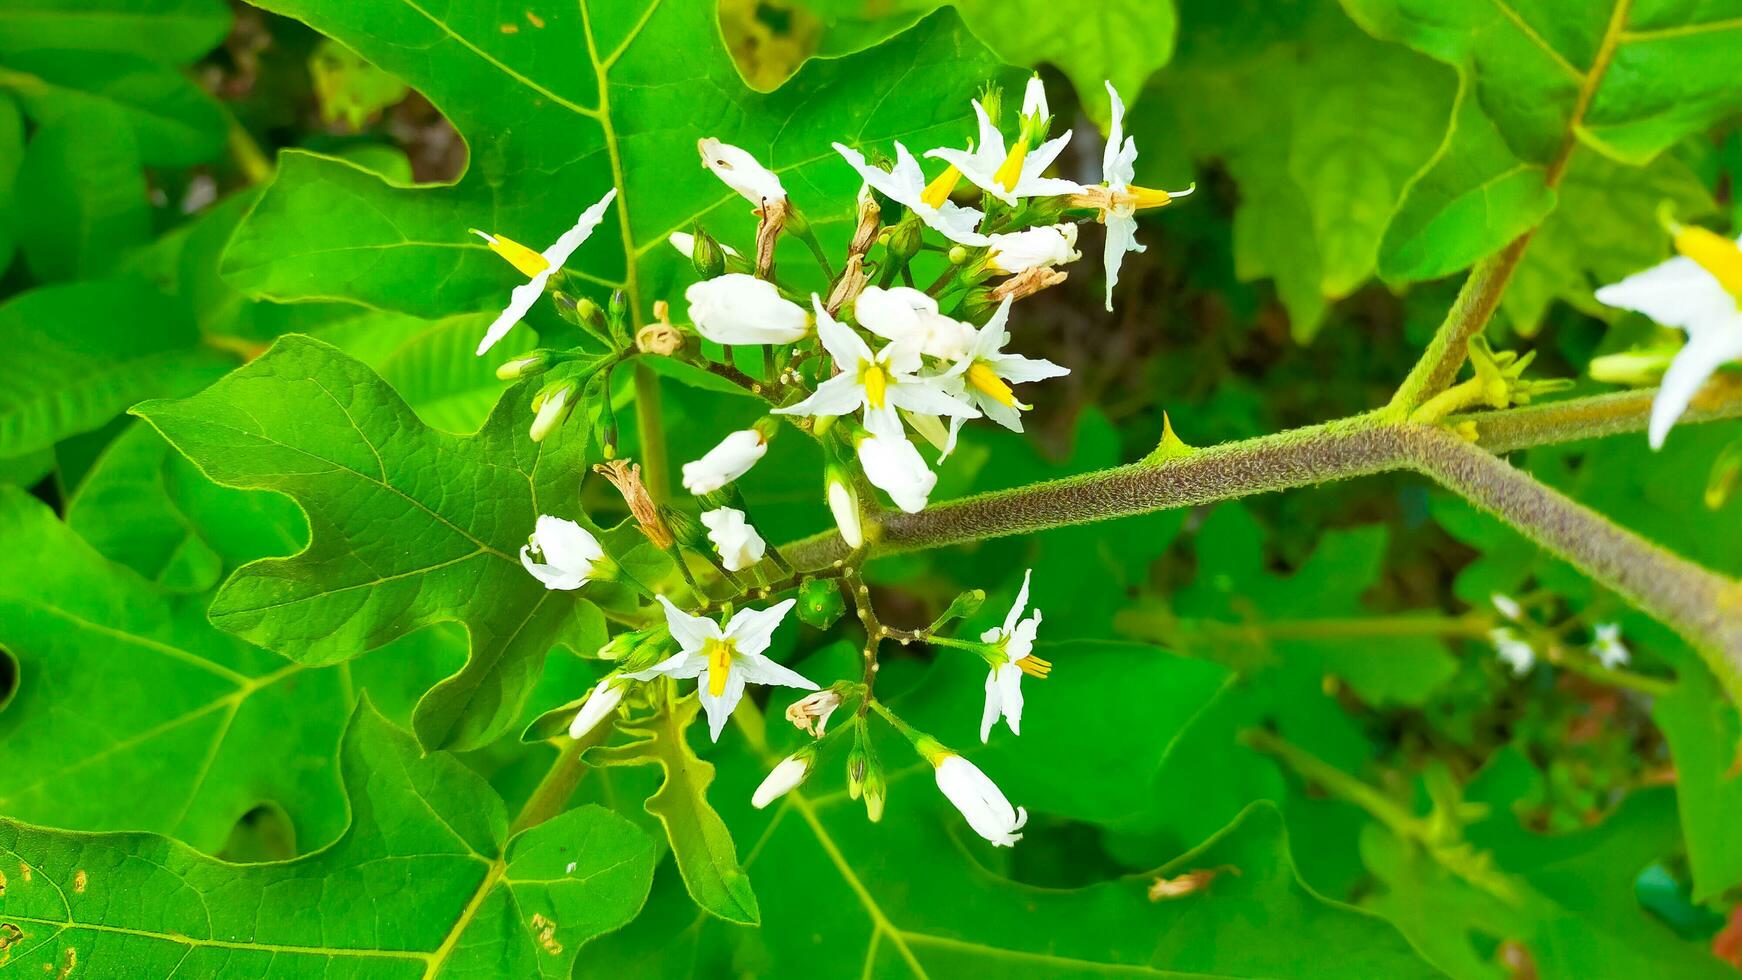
(1445,354)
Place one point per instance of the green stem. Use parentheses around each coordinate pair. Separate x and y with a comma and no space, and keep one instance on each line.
(655,464)
(559,782)
(1470,312)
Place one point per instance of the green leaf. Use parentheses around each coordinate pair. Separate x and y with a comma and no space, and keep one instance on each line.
(86,205)
(173,121)
(132,712)
(599,95)
(145,506)
(699,839)
(130,342)
(1321,126)
(427,850)
(171,32)
(11,157)
(410,526)
(1704,736)
(1629,80)
(432,364)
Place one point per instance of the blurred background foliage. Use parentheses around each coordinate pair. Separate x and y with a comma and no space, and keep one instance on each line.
(1293,695)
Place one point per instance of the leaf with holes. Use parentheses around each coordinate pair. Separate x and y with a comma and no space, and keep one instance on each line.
(409,526)
(445,891)
(559,102)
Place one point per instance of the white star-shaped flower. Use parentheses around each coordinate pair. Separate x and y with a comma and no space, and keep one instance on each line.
(1700,292)
(539,266)
(984,374)
(724,659)
(879,383)
(1015,174)
(907,186)
(1512,648)
(1117,199)
(1608,648)
(1015,641)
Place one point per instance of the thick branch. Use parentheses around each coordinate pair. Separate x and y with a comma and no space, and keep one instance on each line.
(1701,605)
(1438,366)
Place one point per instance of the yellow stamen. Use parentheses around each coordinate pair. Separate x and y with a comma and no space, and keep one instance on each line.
(1713,253)
(529,263)
(939,190)
(1034,667)
(719,665)
(981,376)
(1010,171)
(1148,197)
(876,383)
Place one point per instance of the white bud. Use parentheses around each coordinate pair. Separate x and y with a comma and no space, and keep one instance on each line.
(737,542)
(1020,251)
(784,779)
(980,800)
(738,308)
(728,461)
(604,700)
(562,554)
(552,412)
(740,171)
(844,504)
(1507,606)
(895,467)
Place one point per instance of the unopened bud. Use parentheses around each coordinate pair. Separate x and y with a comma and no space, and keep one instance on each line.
(992,100)
(962,607)
(844,505)
(785,778)
(958,254)
(875,789)
(554,405)
(906,238)
(707,256)
(1632,368)
(619,309)
(524,366)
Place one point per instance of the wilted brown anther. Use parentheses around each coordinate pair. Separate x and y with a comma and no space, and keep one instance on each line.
(1027,283)
(773,215)
(626,477)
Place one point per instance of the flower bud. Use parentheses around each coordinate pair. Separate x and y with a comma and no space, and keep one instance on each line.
(554,405)
(876,790)
(961,607)
(736,542)
(958,254)
(737,308)
(906,238)
(604,700)
(785,777)
(726,462)
(524,366)
(617,315)
(1632,368)
(844,504)
(741,172)
(706,255)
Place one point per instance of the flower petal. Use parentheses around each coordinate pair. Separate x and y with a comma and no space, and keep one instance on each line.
(570,240)
(690,632)
(719,709)
(1706,350)
(751,629)
(840,395)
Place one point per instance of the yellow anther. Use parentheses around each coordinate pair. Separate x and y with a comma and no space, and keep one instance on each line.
(981,376)
(1714,253)
(1147,197)
(876,382)
(719,665)
(1010,171)
(529,263)
(939,190)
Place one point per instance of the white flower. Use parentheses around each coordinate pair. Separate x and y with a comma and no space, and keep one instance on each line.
(1608,648)
(728,461)
(1034,98)
(740,171)
(1034,247)
(1004,683)
(844,505)
(892,465)
(538,266)
(1513,649)
(1009,176)
(905,314)
(984,374)
(737,542)
(880,382)
(738,308)
(726,659)
(810,713)
(1700,292)
(980,800)
(906,184)
(1507,606)
(784,778)
(685,242)
(1117,199)
(604,700)
(566,554)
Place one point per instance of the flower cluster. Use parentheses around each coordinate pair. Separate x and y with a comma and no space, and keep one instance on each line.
(860,367)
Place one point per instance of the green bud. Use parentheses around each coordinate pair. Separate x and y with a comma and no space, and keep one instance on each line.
(876,790)
(707,256)
(1722,481)
(685,529)
(524,366)
(962,607)
(796,222)
(1632,368)
(767,427)
(958,254)
(977,305)
(992,100)
(906,238)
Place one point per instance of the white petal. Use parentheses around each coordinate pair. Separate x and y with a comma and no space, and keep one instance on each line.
(681,666)
(600,703)
(690,632)
(1705,352)
(1676,293)
(519,302)
(840,395)
(844,346)
(761,670)
(994,703)
(1009,677)
(719,709)
(926,397)
(1121,238)
(1018,369)
(1021,603)
(570,240)
(751,629)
